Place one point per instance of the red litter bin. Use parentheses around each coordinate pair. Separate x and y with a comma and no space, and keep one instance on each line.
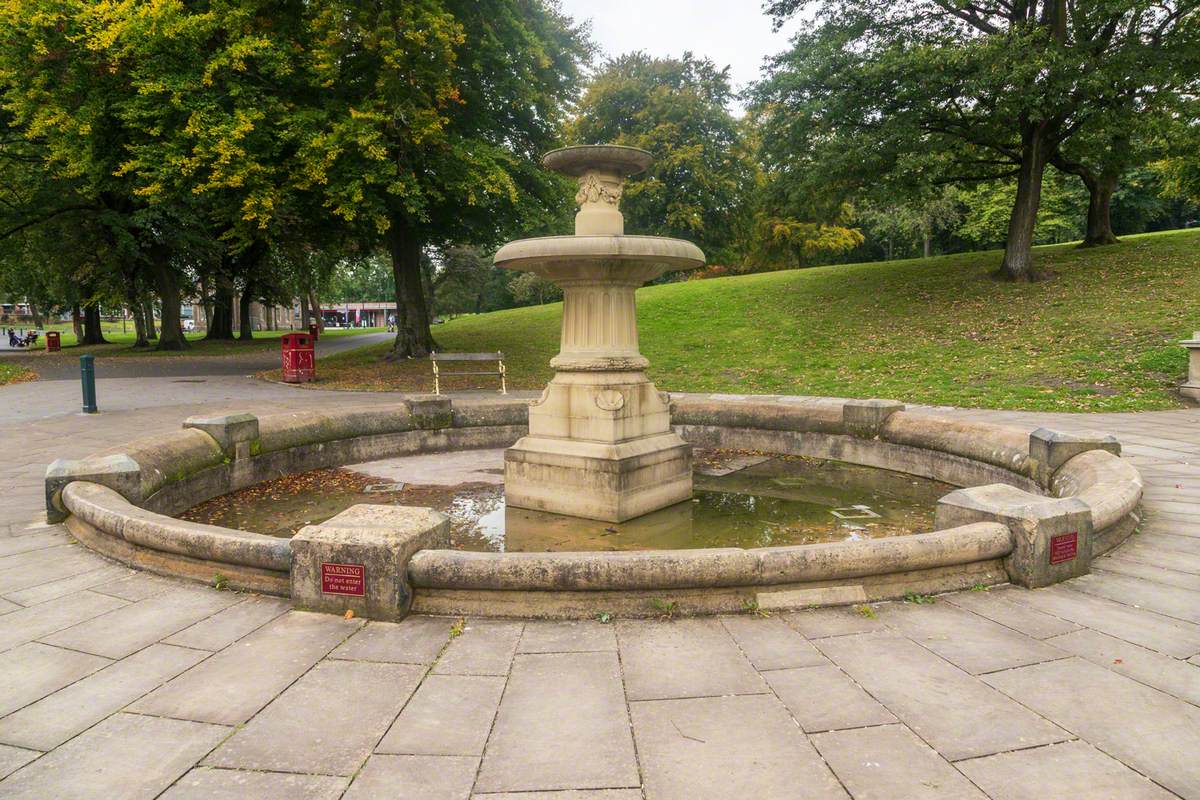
(53,341)
(299,358)
(314,330)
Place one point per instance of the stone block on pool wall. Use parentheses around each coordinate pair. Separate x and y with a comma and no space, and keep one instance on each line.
(358,560)
(430,411)
(1051,449)
(235,434)
(1051,536)
(118,472)
(866,417)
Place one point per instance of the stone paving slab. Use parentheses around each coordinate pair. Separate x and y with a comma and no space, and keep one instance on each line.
(838,621)
(683,658)
(414,778)
(206,783)
(887,762)
(417,641)
(7,606)
(125,756)
(138,586)
(561,725)
(125,631)
(570,636)
(586,794)
(1170,601)
(326,723)
(32,671)
(1067,771)
(34,595)
(485,647)
(450,715)
(28,624)
(968,641)
(1145,572)
(726,747)
(823,698)
(1175,677)
(231,686)
(1175,638)
(996,606)
(956,713)
(227,626)
(73,709)
(34,541)
(41,566)
(1155,557)
(1153,732)
(770,644)
(13,758)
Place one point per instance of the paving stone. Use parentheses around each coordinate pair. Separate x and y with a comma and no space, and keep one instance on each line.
(450,715)
(1152,732)
(770,644)
(414,778)
(138,586)
(129,629)
(33,622)
(996,606)
(967,640)
(416,640)
(1147,572)
(227,626)
(569,636)
(683,658)
(586,794)
(41,566)
(816,623)
(953,711)
(326,723)
(1170,601)
(1155,557)
(824,698)
(13,758)
(56,718)
(65,586)
(32,671)
(1066,771)
(1177,678)
(726,747)
(887,762)
(232,685)
(34,541)
(125,756)
(485,647)
(1175,638)
(561,725)
(7,606)
(205,783)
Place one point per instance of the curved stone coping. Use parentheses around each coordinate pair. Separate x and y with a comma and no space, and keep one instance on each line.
(526,253)
(706,568)
(1112,488)
(107,511)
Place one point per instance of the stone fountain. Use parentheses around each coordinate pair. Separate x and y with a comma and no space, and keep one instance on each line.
(600,443)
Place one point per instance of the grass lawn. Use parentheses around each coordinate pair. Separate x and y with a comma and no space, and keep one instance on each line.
(120,344)
(11,373)
(1100,336)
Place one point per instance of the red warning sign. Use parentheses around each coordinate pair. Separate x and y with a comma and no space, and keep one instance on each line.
(348,579)
(1064,547)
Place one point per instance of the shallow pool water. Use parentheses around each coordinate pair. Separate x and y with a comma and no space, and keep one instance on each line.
(740,500)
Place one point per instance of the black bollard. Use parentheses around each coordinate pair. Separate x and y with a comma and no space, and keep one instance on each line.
(87,374)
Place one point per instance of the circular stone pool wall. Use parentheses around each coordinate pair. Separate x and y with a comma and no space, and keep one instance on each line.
(1034,509)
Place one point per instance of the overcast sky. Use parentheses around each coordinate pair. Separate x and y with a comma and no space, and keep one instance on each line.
(733,33)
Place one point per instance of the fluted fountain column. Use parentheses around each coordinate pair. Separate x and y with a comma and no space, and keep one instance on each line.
(600,443)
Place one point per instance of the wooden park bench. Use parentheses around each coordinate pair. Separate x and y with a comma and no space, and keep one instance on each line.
(498,357)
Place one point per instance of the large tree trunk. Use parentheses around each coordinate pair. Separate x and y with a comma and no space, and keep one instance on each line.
(305,311)
(926,244)
(413,337)
(221,325)
(91,325)
(245,324)
(166,282)
(36,313)
(205,303)
(148,317)
(77,323)
(1099,219)
(135,311)
(314,304)
(1018,248)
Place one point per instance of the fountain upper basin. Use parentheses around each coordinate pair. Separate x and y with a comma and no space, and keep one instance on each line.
(558,251)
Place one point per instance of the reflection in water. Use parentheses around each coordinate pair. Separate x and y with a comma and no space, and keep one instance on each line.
(772,501)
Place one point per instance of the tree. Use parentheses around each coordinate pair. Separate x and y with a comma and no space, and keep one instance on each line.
(999,85)
(432,119)
(678,110)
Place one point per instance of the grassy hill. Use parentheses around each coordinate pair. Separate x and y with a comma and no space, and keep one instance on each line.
(1100,336)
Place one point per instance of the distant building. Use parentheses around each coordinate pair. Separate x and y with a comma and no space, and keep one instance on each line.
(358,315)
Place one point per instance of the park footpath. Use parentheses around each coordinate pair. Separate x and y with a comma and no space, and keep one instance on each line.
(115,684)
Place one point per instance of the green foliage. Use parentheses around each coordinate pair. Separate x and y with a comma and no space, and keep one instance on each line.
(919,599)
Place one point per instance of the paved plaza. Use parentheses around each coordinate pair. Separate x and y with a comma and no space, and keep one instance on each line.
(115,684)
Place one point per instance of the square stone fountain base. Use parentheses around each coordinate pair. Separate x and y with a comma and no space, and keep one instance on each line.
(611,482)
